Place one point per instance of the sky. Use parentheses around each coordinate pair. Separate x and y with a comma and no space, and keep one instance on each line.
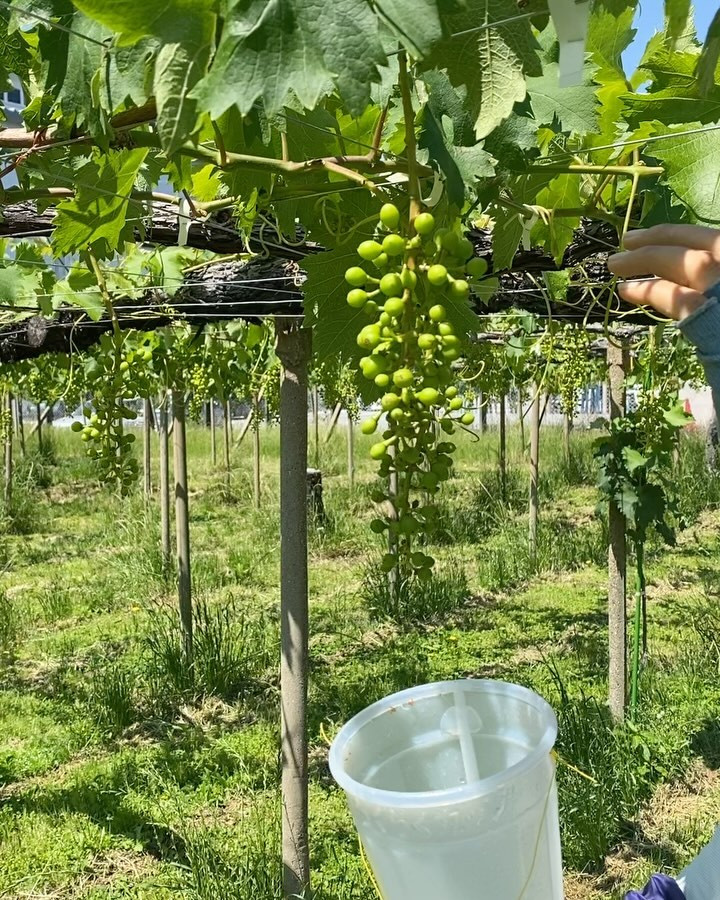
(649,19)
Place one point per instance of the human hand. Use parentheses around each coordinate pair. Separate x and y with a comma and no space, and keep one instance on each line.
(685,260)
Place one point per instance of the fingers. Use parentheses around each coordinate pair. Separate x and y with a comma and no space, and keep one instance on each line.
(694,237)
(696,269)
(671,300)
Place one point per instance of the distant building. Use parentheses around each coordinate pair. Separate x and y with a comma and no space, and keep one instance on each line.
(13,103)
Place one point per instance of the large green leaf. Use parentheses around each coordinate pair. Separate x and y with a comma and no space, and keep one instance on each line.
(610,32)
(74,65)
(461,166)
(506,236)
(677,17)
(271,50)
(562,192)
(128,74)
(692,170)
(491,63)
(186,31)
(708,62)
(416,23)
(335,324)
(96,217)
(571,108)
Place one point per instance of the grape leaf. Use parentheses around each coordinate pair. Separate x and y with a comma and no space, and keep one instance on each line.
(186,30)
(417,24)
(506,236)
(561,192)
(272,49)
(610,32)
(677,16)
(491,63)
(127,75)
(95,217)
(460,165)
(573,108)
(692,170)
(708,62)
(74,61)
(335,324)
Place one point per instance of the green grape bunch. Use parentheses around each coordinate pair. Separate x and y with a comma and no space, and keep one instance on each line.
(110,378)
(406,287)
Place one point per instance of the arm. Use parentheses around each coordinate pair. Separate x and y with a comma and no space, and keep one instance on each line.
(686,261)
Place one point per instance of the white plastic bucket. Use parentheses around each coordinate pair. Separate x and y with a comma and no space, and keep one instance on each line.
(452,789)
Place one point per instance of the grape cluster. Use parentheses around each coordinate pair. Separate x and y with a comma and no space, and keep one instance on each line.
(5,420)
(416,281)
(574,366)
(200,384)
(107,443)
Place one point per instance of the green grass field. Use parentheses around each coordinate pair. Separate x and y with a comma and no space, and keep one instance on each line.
(119,779)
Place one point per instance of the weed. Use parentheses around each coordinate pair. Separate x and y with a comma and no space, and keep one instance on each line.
(413,600)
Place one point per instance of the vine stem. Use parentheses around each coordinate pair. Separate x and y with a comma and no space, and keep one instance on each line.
(638,169)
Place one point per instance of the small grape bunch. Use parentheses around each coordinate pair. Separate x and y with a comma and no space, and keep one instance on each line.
(107,442)
(418,280)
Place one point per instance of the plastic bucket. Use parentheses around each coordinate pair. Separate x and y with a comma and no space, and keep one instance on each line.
(452,789)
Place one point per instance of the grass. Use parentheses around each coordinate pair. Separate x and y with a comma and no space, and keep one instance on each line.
(125,774)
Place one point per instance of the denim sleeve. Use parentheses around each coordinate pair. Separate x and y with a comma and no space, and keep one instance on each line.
(702,328)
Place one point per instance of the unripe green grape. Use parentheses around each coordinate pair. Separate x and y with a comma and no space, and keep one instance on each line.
(450,243)
(465,248)
(424,223)
(409,279)
(397,415)
(385,319)
(424,574)
(450,354)
(394,306)
(394,245)
(377,451)
(418,560)
(382,380)
(372,366)
(407,525)
(429,481)
(455,403)
(369,337)
(76,426)
(124,365)
(85,436)
(450,392)
(389,216)
(467,418)
(371,309)
(381,262)
(357,298)
(403,377)
(446,328)
(437,275)
(356,277)
(378,526)
(387,332)
(450,340)
(406,395)
(389,401)
(426,341)
(369,426)
(476,267)
(428,396)
(369,250)
(391,285)
(388,562)
(446,447)
(447,426)
(437,313)
(412,455)
(460,288)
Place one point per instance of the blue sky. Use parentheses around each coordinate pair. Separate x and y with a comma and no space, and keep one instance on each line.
(649,19)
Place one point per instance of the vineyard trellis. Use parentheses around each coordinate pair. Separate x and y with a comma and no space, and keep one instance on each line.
(476,196)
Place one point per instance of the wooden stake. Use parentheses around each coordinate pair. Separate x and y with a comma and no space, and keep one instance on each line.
(534,465)
(316,424)
(503,449)
(351,451)
(20,423)
(213,442)
(617,560)
(9,449)
(165,544)
(227,432)
(567,429)
(147,461)
(182,524)
(293,349)
(38,426)
(256,451)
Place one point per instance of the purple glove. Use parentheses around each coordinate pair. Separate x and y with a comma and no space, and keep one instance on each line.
(660,887)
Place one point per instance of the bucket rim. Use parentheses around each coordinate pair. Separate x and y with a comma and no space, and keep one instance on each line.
(445,796)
